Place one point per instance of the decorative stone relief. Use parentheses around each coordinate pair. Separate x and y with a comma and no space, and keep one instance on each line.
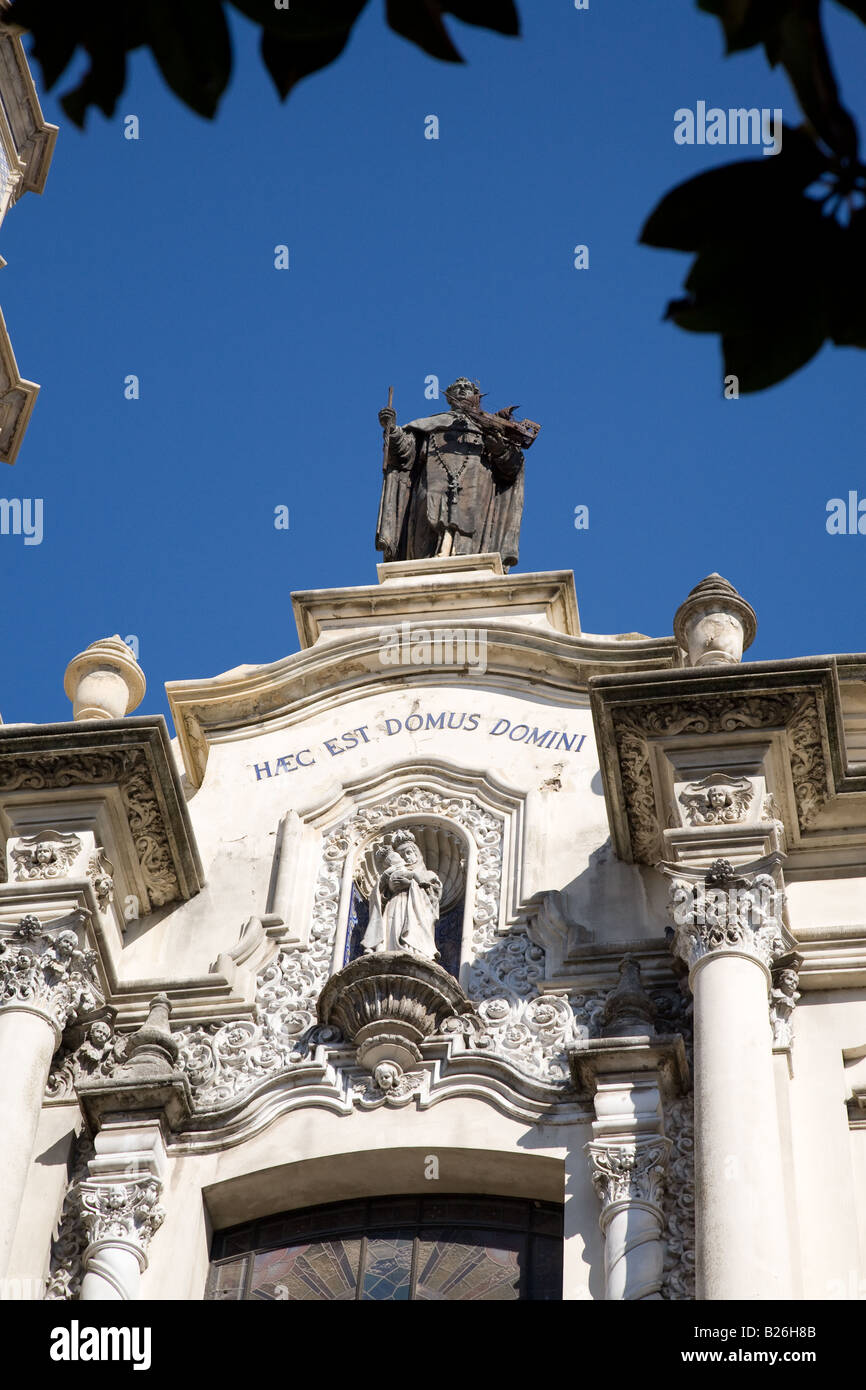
(44,771)
(389,1085)
(783,998)
(725,910)
(51,973)
(532,1031)
(807,761)
(717,800)
(47,854)
(68,1246)
(122,1211)
(100,871)
(717,714)
(629,1172)
(98,1053)
(678,1282)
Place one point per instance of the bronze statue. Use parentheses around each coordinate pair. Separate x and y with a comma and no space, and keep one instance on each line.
(453,482)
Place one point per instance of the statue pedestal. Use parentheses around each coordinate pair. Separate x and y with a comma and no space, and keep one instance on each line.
(388,1003)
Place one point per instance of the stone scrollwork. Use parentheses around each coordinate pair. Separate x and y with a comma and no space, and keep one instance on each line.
(48,972)
(807,761)
(68,1246)
(514,1018)
(678,1282)
(799,716)
(126,769)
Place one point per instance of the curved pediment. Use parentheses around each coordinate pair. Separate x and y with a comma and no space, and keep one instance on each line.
(519,633)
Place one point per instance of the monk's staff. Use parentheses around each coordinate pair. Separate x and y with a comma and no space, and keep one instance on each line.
(387,431)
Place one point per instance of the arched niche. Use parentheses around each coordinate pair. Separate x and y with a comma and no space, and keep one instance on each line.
(448,851)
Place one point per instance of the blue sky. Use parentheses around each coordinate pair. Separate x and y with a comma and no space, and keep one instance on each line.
(408,257)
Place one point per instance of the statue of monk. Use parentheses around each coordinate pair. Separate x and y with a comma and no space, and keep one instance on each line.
(453,483)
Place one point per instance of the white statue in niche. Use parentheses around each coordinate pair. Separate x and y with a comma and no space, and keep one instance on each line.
(404,905)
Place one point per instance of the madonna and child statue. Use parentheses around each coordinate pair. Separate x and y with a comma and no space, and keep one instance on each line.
(404,904)
(453,482)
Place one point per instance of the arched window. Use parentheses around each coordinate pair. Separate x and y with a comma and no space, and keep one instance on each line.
(395,1249)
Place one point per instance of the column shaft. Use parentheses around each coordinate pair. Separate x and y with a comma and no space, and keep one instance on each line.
(27,1043)
(113,1274)
(741,1230)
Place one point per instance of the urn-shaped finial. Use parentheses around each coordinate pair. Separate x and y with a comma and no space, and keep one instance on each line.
(628,1011)
(715,624)
(152,1049)
(104,681)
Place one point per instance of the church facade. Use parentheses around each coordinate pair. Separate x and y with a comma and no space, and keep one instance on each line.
(461,955)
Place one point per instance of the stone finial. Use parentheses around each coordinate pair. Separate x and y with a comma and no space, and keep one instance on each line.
(104,681)
(715,624)
(628,1010)
(152,1049)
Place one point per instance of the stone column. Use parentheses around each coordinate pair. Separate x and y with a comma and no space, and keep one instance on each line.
(728,931)
(628,1071)
(46,982)
(629,1179)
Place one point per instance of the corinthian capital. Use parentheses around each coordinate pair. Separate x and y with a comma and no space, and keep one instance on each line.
(630,1172)
(126,1212)
(48,972)
(722,909)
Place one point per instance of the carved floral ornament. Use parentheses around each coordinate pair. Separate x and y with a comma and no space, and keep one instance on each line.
(634,728)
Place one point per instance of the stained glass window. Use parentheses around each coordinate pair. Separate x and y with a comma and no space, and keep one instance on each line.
(395,1249)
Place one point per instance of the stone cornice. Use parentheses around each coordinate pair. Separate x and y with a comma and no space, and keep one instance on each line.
(133,754)
(794,705)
